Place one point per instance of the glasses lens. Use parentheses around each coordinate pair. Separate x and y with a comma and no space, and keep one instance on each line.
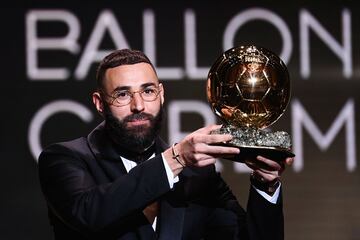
(149,94)
(122,97)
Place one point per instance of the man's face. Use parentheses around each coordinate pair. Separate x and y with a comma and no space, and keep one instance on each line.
(137,119)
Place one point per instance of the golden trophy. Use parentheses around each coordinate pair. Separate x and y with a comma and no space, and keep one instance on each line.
(248,87)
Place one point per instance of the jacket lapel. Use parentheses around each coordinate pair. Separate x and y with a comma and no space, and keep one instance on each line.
(172,209)
(109,160)
(171,221)
(106,156)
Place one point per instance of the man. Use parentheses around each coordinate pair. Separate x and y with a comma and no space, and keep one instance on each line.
(123,182)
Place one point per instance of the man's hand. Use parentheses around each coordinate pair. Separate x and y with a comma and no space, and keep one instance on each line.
(200,149)
(267,171)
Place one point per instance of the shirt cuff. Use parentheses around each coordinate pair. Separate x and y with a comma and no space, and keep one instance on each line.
(170,175)
(273,199)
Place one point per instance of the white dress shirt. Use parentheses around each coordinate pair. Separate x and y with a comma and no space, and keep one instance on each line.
(172,180)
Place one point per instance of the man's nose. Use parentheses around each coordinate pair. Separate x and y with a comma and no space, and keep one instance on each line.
(137,103)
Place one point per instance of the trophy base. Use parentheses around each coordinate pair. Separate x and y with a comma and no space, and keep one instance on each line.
(255,142)
(251,152)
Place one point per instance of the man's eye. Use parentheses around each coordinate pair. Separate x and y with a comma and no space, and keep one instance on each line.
(149,91)
(122,94)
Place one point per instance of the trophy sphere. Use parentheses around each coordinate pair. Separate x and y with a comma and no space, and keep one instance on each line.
(248,86)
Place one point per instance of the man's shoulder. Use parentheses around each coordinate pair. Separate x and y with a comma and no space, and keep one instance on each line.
(71,145)
(76,146)
(73,149)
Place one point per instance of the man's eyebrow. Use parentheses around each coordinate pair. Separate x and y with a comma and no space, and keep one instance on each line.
(145,85)
(148,85)
(121,88)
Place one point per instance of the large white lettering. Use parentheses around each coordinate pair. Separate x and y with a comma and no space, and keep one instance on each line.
(301,118)
(35,43)
(46,112)
(307,22)
(259,14)
(192,71)
(105,21)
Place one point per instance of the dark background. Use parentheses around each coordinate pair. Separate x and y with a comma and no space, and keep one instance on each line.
(320,199)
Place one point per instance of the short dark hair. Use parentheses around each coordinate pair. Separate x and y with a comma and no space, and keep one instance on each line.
(118,58)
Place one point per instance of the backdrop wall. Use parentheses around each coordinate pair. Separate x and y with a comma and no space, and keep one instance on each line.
(50,53)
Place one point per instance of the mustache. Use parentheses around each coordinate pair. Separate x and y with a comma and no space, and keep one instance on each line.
(138,116)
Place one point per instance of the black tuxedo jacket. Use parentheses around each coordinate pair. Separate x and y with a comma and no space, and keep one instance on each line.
(90,195)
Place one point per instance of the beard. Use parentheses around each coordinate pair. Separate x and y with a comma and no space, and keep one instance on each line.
(136,139)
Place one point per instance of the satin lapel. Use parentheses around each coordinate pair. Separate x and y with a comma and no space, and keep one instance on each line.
(172,208)
(107,158)
(146,232)
(171,221)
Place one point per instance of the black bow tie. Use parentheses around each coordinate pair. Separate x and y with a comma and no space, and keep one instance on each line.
(136,156)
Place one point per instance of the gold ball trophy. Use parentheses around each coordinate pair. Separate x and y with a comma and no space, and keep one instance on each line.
(248,87)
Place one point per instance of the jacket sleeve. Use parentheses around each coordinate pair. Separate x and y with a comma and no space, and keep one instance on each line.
(261,220)
(265,219)
(71,191)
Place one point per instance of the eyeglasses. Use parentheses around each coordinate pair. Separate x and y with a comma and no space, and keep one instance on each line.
(123,97)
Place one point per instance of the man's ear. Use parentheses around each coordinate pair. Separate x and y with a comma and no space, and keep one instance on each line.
(98,102)
(162,99)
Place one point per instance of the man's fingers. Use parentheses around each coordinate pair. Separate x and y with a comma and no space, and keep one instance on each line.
(208,129)
(270,163)
(264,169)
(205,162)
(289,161)
(219,150)
(255,167)
(264,176)
(256,164)
(201,160)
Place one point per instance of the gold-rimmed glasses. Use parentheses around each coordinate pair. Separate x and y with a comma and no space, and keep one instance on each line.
(123,97)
